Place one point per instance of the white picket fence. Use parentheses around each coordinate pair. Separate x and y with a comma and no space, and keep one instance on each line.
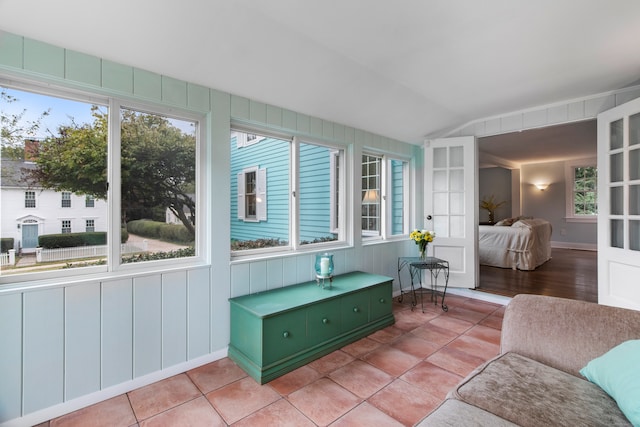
(63,254)
(8,259)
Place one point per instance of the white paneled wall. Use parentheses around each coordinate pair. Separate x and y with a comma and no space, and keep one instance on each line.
(571,111)
(62,343)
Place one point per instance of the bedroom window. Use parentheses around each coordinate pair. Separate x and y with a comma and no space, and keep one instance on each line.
(581,192)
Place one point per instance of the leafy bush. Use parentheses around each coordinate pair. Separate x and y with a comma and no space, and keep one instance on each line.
(238,245)
(70,240)
(6,243)
(179,253)
(175,233)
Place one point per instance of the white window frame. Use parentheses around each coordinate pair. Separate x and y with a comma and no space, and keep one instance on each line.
(260,194)
(569,174)
(65,196)
(336,178)
(63,228)
(89,202)
(30,199)
(380,233)
(340,195)
(114,267)
(88,228)
(243,139)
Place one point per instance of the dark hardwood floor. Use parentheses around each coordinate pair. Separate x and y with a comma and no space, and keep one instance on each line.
(568,274)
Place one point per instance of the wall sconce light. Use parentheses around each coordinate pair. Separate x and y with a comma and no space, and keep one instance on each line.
(542,187)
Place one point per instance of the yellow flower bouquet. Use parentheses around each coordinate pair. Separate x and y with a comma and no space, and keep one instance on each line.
(422,239)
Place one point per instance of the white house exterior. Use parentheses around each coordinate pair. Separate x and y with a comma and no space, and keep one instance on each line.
(28,212)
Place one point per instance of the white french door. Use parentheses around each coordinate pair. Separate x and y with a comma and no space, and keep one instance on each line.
(619,206)
(451,202)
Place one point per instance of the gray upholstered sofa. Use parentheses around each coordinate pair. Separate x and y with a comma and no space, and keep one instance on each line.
(535,381)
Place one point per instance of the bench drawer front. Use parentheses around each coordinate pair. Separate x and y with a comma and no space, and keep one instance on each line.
(283,335)
(380,301)
(323,322)
(355,310)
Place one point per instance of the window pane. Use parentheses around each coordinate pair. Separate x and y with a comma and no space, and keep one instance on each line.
(634,129)
(616,134)
(634,200)
(318,180)
(634,235)
(371,195)
(585,194)
(398,202)
(617,200)
(617,233)
(54,155)
(616,167)
(158,188)
(634,164)
(267,224)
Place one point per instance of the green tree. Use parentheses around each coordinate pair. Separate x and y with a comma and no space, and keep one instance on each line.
(157,164)
(15,129)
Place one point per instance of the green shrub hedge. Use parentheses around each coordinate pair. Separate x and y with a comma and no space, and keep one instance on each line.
(6,243)
(70,240)
(174,233)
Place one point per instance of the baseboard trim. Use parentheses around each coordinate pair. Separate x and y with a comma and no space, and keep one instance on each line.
(479,295)
(55,411)
(577,246)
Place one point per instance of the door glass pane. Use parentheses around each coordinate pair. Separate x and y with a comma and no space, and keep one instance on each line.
(456,182)
(634,164)
(441,225)
(439,157)
(457,226)
(457,203)
(440,204)
(439,180)
(617,233)
(634,200)
(634,129)
(615,134)
(617,202)
(634,235)
(616,167)
(456,159)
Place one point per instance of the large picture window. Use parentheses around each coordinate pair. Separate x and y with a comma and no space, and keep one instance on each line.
(58,145)
(285,193)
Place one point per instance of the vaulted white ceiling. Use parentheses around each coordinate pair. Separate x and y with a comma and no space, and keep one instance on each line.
(405,69)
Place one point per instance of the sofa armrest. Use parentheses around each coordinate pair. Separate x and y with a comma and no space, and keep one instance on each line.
(562,333)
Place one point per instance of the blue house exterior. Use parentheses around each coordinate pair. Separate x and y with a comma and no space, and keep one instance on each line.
(272,158)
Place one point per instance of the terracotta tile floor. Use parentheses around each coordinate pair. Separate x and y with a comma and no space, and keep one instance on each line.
(393,377)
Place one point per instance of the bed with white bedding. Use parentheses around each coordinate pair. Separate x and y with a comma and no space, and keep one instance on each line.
(524,245)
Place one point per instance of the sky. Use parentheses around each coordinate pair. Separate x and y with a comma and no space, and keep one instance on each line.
(62,111)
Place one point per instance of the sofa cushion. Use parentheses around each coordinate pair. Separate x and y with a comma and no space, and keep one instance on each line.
(454,413)
(529,393)
(618,373)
